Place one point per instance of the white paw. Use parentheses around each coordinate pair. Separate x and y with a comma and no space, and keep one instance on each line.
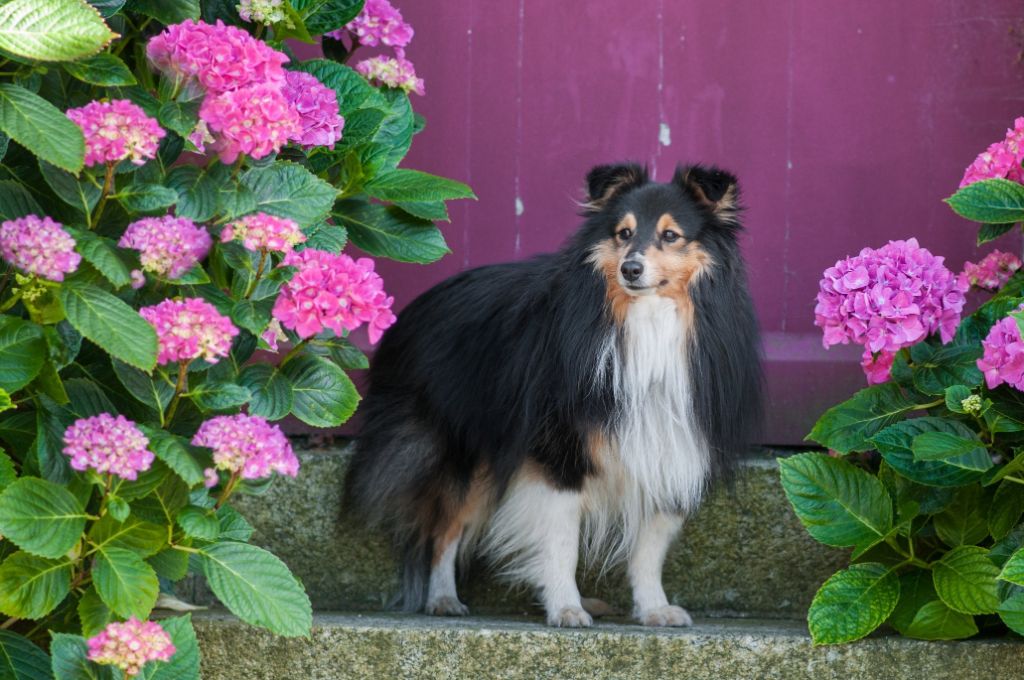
(570,617)
(446,606)
(669,615)
(597,607)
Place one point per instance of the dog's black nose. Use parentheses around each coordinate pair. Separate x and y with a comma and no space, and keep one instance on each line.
(632,270)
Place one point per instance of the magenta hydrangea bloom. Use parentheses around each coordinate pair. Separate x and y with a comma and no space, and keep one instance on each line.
(317,107)
(380,23)
(168,246)
(889,298)
(107,444)
(333,291)
(116,130)
(877,368)
(39,246)
(130,645)
(255,120)
(1001,160)
(189,328)
(264,12)
(994,270)
(392,72)
(260,231)
(218,57)
(247,445)
(1003,358)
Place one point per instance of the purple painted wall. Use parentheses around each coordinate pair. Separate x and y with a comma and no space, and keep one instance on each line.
(846,123)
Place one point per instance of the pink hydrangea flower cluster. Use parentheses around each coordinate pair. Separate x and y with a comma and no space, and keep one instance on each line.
(877,367)
(168,246)
(392,72)
(116,130)
(189,328)
(219,57)
(39,246)
(1000,160)
(317,107)
(333,291)
(256,120)
(130,645)
(247,445)
(1003,358)
(887,299)
(994,270)
(107,444)
(264,12)
(260,231)
(380,23)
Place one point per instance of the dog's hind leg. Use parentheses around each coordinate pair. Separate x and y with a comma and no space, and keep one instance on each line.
(650,606)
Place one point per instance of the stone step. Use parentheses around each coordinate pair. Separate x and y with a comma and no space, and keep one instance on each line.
(743,554)
(370,646)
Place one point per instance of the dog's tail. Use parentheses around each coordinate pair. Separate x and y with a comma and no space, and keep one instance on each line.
(415,558)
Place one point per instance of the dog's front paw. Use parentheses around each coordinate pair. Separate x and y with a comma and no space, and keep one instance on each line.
(570,617)
(446,606)
(669,615)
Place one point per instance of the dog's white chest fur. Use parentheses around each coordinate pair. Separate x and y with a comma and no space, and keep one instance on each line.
(655,458)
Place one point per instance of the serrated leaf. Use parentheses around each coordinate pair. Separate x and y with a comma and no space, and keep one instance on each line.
(81,193)
(16,201)
(916,590)
(956,448)
(41,517)
(936,621)
(965,579)
(118,508)
(171,564)
(852,603)
(386,231)
(134,534)
(394,136)
(110,323)
(168,11)
(219,396)
(955,395)
(125,582)
(323,16)
(271,391)
(233,527)
(289,190)
(992,201)
(179,116)
(147,198)
(31,587)
(199,523)
(963,521)
(1006,509)
(21,659)
(22,353)
(848,426)
(839,504)
(895,444)
(71,662)
(936,368)
(102,254)
(197,193)
(326,236)
(342,352)
(7,473)
(175,452)
(93,614)
(990,232)
(145,484)
(360,127)
(162,505)
(40,127)
(184,664)
(55,30)
(352,89)
(257,587)
(432,211)
(322,395)
(234,200)
(1011,611)
(102,69)
(413,185)
(1013,569)
(107,8)
(153,391)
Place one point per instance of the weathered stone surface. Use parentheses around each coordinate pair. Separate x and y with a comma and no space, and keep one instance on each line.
(744,553)
(377,646)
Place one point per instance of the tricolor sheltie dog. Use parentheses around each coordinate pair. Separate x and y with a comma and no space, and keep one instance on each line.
(589,396)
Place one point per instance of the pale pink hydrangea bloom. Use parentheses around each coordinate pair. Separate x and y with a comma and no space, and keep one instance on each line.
(189,328)
(168,246)
(317,107)
(255,120)
(217,56)
(130,645)
(265,12)
(333,291)
(1003,358)
(138,279)
(263,232)
(1000,160)
(210,477)
(994,270)
(273,334)
(392,72)
(107,444)
(247,445)
(116,130)
(889,298)
(39,246)
(380,23)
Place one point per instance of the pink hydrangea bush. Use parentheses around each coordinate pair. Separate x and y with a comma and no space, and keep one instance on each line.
(263,232)
(115,130)
(379,23)
(317,106)
(993,271)
(39,246)
(397,72)
(168,246)
(256,120)
(130,645)
(1003,360)
(188,329)
(109,445)
(248,446)
(333,291)
(1001,160)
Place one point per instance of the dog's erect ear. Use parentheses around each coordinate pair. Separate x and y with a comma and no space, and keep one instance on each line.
(709,186)
(605,182)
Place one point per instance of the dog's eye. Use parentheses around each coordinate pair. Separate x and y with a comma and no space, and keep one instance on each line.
(624,234)
(670,237)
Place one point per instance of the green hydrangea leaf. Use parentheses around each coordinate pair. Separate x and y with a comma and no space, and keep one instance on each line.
(965,579)
(992,201)
(31,587)
(55,30)
(852,603)
(41,517)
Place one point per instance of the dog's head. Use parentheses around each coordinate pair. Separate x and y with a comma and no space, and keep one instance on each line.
(648,238)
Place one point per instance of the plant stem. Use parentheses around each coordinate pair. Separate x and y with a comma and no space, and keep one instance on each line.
(238,165)
(259,273)
(179,389)
(9,622)
(1011,478)
(294,350)
(108,183)
(106,494)
(228,489)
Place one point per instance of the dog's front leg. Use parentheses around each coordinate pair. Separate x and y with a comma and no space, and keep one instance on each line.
(650,606)
(555,567)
